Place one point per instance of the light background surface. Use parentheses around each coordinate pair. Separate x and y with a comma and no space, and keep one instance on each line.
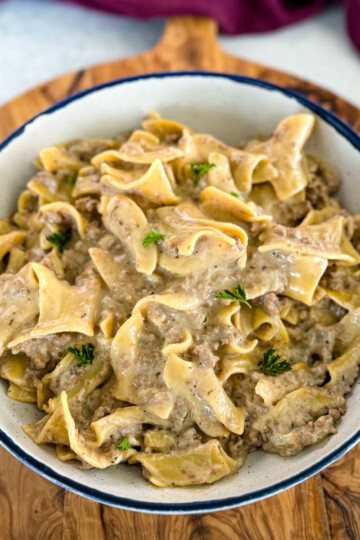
(41,39)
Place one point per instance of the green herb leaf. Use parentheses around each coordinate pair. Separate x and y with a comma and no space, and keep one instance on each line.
(152,237)
(198,169)
(59,239)
(238,293)
(124,444)
(234,194)
(70,179)
(84,354)
(271,365)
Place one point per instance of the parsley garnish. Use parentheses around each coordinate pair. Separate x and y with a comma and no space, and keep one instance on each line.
(70,179)
(238,293)
(59,239)
(198,169)
(234,194)
(83,354)
(152,237)
(271,365)
(124,444)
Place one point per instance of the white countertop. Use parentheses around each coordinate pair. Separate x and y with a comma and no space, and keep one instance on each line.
(40,39)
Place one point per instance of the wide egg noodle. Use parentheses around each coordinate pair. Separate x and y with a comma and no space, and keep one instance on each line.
(68,211)
(307,404)
(284,151)
(195,239)
(244,166)
(153,185)
(206,464)
(59,428)
(120,211)
(223,206)
(62,307)
(19,305)
(9,240)
(325,240)
(124,351)
(57,157)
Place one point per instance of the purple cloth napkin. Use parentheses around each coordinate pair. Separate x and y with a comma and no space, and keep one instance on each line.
(233,16)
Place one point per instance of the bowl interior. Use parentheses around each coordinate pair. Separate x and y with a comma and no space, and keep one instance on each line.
(233,110)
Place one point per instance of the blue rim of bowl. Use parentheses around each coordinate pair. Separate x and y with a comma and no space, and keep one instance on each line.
(197,506)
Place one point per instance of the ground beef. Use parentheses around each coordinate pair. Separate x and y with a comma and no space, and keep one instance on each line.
(48,180)
(339,278)
(103,402)
(205,355)
(290,213)
(271,304)
(207,343)
(86,149)
(324,184)
(318,345)
(241,389)
(312,433)
(36,255)
(87,205)
(51,347)
(189,438)
(32,377)
(238,448)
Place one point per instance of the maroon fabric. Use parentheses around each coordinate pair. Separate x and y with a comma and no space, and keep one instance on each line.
(234,16)
(353,20)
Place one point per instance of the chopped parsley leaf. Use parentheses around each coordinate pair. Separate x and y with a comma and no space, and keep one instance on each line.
(60,239)
(153,237)
(70,179)
(199,169)
(238,293)
(271,366)
(124,444)
(84,354)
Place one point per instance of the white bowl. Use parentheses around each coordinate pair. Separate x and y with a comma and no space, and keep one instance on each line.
(233,108)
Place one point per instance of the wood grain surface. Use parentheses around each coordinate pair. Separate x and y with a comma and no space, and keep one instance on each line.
(324,507)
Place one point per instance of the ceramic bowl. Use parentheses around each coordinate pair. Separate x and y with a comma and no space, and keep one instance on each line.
(232,108)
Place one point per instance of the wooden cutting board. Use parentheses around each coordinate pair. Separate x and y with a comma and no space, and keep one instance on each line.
(326,506)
